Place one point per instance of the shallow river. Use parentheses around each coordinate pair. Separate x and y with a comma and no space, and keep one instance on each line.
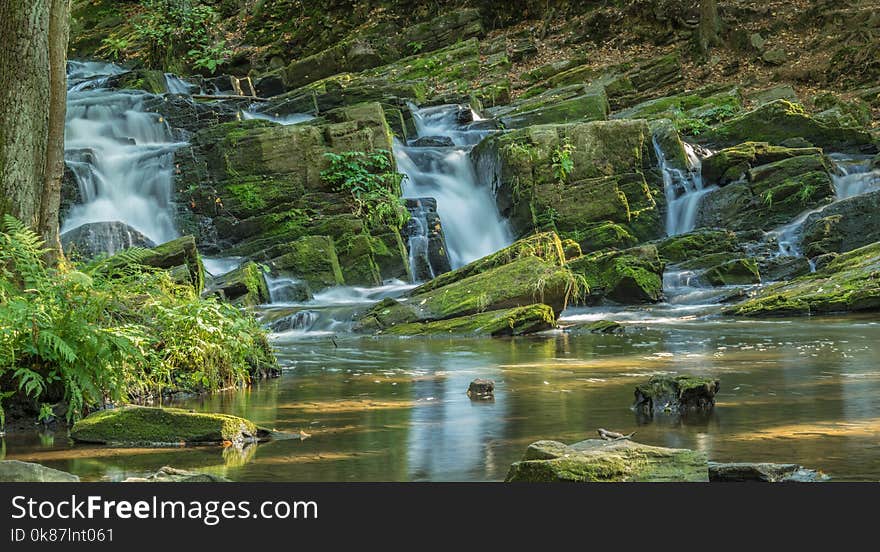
(805,391)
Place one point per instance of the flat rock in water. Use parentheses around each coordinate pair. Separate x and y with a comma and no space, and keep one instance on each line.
(14,471)
(432,142)
(481,389)
(763,472)
(617,461)
(143,426)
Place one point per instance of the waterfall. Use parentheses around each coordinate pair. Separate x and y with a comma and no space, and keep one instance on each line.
(120,156)
(472,225)
(683,189)
(851,177)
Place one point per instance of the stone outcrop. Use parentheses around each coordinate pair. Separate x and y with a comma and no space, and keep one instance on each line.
(675,395)
(98,238)
(631,276)
(596,461)
(15,471)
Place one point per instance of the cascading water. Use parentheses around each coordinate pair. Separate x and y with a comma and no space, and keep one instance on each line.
(472,225)
(851,177)
(683,188)
(121,156)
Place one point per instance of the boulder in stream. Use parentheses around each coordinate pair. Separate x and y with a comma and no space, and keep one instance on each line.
(632,276)
(615,461)
(762,472)
(168,474)
(481,389)
(246,285)
(676,395)
(498,323)
(14,471)
(156,427)
(95,238)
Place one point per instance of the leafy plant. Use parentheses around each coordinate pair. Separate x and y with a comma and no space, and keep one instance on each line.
(373,184)
(173,28)
(767,198)
(805,194)
(115,47)
(415,47)
(112,330)
(562,161)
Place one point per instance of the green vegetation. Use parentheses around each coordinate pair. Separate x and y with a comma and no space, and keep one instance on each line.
(563,164)
(373,184)
(113,330)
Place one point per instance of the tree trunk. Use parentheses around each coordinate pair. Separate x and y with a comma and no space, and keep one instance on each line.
(33,49)
(59,31)
(710,25)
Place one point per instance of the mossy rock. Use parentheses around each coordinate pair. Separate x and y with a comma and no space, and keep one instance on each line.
(633,276)
(732,164)
(842,226)
(737,272)
(606,235)
(595,461)
(520,283)
(499,323)
(554,106)
(311,259)
(696,244)
(246,285)
(572,249)
(147,80)
(848,283)
(605,327)
(545,245)
(676,395)
(143,426)
(781,120)
(179,256)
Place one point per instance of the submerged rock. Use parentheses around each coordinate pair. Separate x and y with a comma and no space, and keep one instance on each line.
(168,474)
(96,238)
(737,272)
(481,389)
(616,461)
(763,472)
(143,426)
(675,395)
(605,327)
(432,142)
(15,471)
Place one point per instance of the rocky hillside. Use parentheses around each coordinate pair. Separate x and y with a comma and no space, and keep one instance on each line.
(595,106)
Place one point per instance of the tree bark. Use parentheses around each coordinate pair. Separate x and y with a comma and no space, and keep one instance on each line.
(59,33)
(710,26)
(33,49)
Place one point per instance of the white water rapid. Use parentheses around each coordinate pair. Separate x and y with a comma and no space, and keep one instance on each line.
(121,156)
(683,188)
(471,222)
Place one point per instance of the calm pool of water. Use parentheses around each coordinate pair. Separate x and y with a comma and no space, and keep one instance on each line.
(802,391)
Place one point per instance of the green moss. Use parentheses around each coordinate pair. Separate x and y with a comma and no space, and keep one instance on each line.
(677,249)
(782,120)
(631,276)
(849,283)
(606,235)
(312,259)
(141,426)
(500,323)
(731,164)
(546,246)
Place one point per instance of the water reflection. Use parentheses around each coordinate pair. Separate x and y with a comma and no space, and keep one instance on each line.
(397,410)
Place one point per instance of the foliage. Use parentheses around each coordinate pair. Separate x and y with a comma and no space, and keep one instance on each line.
(115,47)
(174,27)
(805,194)
(563,164)
(112,331)
(373,184)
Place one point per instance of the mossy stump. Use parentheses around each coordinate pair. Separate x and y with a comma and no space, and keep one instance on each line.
(676,395)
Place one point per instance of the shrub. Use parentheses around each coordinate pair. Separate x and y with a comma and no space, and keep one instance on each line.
(112,331)
(373,184)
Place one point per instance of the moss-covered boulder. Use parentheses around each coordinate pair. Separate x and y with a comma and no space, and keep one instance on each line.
(546,246)
(147,80)
(497,323)
(675,395)
(848,283)
(774,194)
(311,259)
(143,426)
(15,471)
(246,285)
(596,461)
(562,105)
(179,256)
(632,276)
(523,282)
(781,121)
(696,244)
(738,272)
(842,226)
(611,178)
(604,327)
(732,164)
